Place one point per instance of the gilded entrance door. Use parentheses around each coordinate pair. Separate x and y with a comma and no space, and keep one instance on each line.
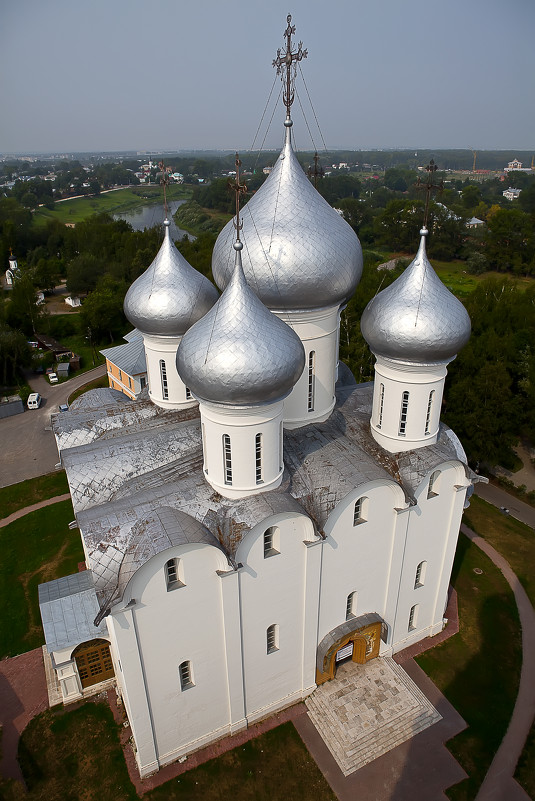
(94,663)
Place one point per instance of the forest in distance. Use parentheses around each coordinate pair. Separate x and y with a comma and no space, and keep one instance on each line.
(490,392)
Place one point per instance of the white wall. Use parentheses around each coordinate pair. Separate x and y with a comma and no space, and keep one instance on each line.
(357,558)
(318,331)
(165,348)
(272,591)
(419,381)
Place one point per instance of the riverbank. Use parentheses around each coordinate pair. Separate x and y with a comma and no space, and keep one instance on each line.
(75,210)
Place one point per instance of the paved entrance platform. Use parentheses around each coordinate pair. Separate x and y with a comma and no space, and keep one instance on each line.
(367,710)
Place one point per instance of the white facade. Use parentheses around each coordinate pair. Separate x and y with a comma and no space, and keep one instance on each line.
(312,399)
(407,400)
(166,388)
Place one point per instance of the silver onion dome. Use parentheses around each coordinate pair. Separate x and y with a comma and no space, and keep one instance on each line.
(240,353)
(416,319)
(170,295)
(299,253)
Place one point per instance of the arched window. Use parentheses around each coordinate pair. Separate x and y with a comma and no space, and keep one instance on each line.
(381,405)
(258,458)
(432,489)
(272,638)
(360,511)
(413,617)
(173,578)
(186,675)
(351,605)
(419,580)
(403,415)
(429,407)
(163,376)
(311,379)
(271,541)
(227,459)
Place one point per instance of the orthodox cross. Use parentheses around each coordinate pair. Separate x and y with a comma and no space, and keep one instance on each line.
(164,181)
(317,172)
(287,60)
(428,187)
(239,189)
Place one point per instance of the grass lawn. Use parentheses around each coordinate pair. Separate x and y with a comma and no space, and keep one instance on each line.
(18,496)
(513,539)
(39,547)
(66,756)
(478,669)
(116,202)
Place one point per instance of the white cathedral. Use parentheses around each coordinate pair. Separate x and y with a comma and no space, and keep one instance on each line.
(258,516)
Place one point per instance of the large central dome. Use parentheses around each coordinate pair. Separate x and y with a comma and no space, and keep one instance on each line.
(299,253)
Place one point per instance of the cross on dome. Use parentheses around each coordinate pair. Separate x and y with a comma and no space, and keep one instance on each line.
(286,64)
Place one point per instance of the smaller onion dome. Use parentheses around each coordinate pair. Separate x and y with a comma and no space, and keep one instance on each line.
(416,319)
(170,295)
(240,353)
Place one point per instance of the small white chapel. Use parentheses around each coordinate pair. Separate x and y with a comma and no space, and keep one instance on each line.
(256,517)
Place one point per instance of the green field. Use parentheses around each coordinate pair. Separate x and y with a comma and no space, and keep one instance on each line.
(18,496)
(115,202)
(37,548)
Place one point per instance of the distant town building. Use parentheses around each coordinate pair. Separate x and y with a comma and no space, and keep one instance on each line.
(511,194)
(73,301)
(516,166)
(475,222)
(11,272)
(126,365)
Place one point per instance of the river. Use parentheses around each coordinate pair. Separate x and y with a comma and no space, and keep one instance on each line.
(153,214)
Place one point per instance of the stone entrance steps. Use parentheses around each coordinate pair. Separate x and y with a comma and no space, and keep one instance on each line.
(367,710)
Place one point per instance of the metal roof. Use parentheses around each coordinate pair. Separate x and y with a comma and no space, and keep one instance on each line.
(69,606)
(130,357)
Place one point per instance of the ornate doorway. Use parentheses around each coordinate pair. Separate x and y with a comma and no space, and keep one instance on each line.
(94,662)
(358,639)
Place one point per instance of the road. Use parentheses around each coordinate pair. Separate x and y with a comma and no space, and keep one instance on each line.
(500,498)
(28,448)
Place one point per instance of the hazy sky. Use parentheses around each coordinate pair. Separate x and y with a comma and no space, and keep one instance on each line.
(172,74)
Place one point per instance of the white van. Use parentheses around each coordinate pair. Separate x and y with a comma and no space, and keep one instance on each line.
(34,400)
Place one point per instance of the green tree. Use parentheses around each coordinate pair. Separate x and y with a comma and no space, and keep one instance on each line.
(14,353)
(102,311)
(510,240)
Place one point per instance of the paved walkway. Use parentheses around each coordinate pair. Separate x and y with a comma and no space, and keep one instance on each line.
(33,508)
(499,497)
(499,782)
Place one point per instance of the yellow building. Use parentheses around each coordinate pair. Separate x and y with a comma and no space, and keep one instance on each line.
(126,366)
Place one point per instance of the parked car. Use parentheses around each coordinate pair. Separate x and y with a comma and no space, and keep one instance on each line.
(52,377)
(63,407)
(34,400)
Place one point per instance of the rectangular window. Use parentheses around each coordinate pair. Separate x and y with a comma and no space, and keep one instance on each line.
(311,380)
(120,375)
(258,458)
(143,382)
(188,393)
(129,382)
(429,407)
(227,457)
(271,541)
(186,676)
(163,376)
(272,638)
(351,605)
(381,405)
(403,415)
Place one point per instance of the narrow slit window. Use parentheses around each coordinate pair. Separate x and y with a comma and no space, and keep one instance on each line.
(311,379)
(403,415)
(432,489)
(351,605)
(413,617)
(272,638)
(186,675)
(143,382)
(429,407)
(271,542)
(381,405)
(163,376)
(227,457)
(188,393)
(281,455)
(172,574)
(258,458)
(419,579)
(359,511)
